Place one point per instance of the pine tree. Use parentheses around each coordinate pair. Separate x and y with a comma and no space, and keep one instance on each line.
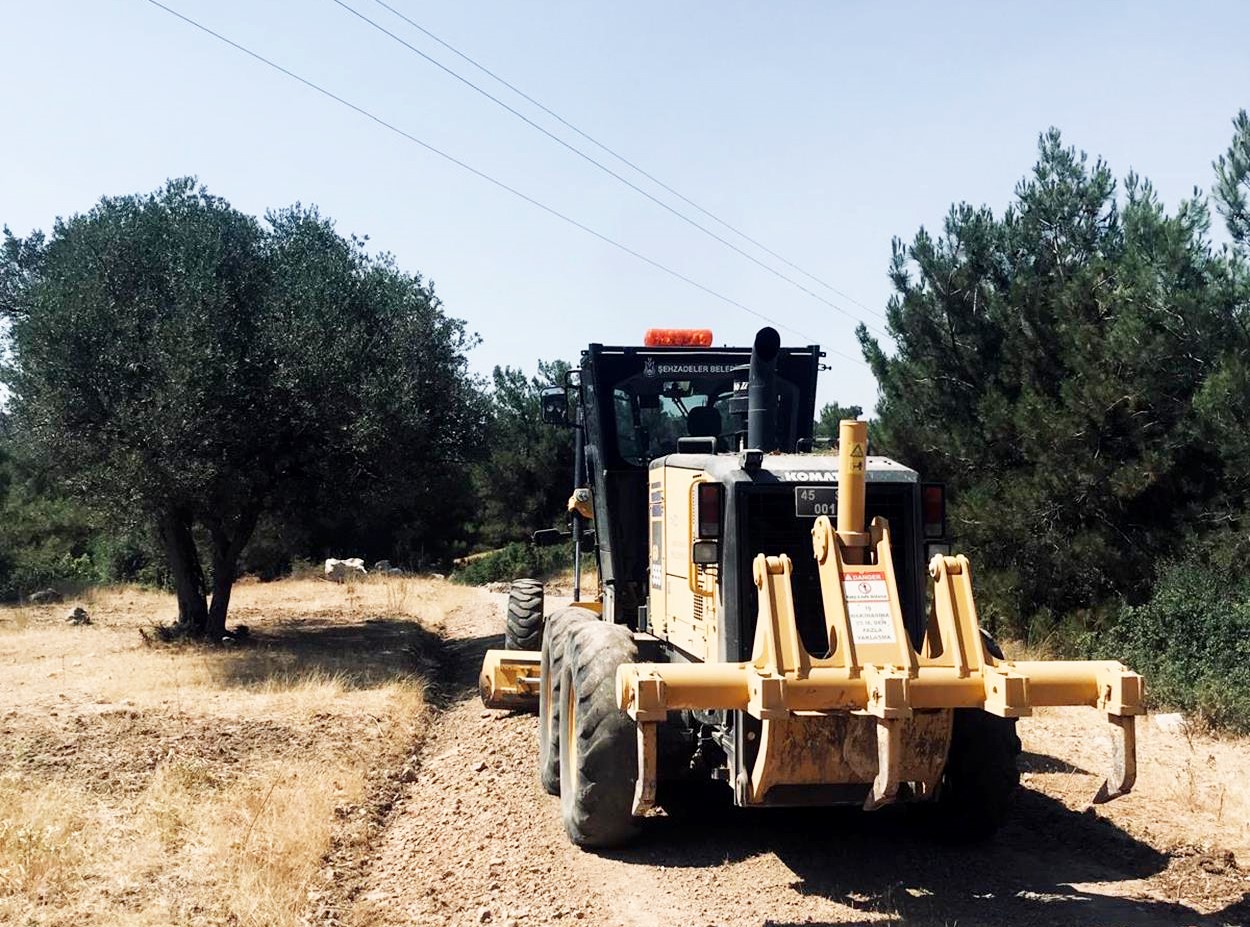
(1047,367)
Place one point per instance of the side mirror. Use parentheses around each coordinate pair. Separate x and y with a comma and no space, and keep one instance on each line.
(555,405)
(546,537)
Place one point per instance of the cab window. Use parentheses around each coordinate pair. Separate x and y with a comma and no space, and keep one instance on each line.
(651,416)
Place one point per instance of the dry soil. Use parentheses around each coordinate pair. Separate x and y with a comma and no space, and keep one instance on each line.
(474,840)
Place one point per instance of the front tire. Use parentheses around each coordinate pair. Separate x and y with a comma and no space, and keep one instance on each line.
(554,642)
(598,742)
(980,778)
(523,629)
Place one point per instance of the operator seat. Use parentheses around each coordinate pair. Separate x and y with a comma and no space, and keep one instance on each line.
(704,422)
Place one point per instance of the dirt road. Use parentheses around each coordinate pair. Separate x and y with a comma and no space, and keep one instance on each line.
(475,840)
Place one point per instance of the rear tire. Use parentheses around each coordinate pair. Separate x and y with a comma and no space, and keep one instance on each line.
(980,778)
(524,627)
(554,641)
(598,743)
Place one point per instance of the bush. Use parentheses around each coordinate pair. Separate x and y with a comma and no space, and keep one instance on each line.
(40,568)
(129,557)
(515,561)
(1191,640)
(274,546)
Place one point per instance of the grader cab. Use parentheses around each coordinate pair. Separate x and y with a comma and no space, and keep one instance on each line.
(786,627)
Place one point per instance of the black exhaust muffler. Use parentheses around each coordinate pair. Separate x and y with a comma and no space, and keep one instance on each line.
(762,391)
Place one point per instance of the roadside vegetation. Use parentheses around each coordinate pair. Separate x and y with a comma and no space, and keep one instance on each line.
(515,560)
(195,394)
(1191,639)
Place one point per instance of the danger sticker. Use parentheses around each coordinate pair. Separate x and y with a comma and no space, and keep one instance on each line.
(868,606)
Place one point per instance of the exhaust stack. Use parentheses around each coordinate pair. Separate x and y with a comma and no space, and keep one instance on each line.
(762,391)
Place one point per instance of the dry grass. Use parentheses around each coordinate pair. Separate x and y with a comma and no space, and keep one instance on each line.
(204,785)
(562,582)
(1190,789)
(1043,648)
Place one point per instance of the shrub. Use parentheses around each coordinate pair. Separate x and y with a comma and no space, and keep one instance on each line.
(1191,640)
(39,568)
(515,561)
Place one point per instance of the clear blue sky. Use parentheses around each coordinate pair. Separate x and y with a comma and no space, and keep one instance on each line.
(821,129)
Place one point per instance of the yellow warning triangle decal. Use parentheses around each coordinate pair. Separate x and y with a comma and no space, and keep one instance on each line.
(857,450)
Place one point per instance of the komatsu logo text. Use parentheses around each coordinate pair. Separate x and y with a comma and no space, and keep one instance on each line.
(805,476)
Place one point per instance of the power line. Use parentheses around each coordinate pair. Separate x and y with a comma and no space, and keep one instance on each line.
(624,160)
(495,182)
(607,170)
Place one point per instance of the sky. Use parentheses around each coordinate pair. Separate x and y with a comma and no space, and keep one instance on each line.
(821,130)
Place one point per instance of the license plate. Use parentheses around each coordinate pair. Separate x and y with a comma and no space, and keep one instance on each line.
(814,501)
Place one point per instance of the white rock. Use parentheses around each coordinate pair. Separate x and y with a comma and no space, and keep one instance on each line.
(339,570)
(1172,722)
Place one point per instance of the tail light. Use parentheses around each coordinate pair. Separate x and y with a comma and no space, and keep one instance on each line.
(707,510)
(933,509)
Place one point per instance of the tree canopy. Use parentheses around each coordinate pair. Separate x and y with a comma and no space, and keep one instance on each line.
(178,363)
(831,414)
(526,477)
(1076,370)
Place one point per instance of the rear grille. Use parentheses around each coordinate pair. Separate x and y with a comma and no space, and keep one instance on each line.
(773,529)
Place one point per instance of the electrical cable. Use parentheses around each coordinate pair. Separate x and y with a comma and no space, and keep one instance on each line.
(495,182)
(624,160)
(607,170)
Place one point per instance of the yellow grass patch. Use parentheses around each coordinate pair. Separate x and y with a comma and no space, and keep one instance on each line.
(146,784)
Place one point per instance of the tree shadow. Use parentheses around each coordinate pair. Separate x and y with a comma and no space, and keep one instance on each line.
(1048,865)
(366,654)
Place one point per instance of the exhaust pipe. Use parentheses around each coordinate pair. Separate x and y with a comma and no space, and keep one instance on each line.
(762,391)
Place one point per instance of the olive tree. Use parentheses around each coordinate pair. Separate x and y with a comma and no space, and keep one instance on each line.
(175,361)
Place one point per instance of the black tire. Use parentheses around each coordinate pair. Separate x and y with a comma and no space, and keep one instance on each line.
(598,741)
(524,627)
(555,637)
(980,778)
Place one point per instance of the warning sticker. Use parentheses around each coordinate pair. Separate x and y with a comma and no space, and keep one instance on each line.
(857,457)
(868,606)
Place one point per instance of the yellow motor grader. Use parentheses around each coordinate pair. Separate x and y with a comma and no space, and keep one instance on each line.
(785,626)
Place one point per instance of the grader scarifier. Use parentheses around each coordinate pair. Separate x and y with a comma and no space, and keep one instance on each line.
(787,627)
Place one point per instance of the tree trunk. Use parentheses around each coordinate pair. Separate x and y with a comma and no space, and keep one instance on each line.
(226,551)
(223,581)
(174,529)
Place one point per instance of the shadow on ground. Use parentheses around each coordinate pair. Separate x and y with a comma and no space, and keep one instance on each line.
(890,862)
(1042,763)
(360,655)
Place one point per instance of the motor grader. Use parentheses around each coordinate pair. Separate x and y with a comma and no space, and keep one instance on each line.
(784,625)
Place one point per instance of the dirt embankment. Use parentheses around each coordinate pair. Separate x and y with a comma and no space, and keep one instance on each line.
(475,840)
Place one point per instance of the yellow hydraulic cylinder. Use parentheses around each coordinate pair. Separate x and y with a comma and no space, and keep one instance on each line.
(852,467)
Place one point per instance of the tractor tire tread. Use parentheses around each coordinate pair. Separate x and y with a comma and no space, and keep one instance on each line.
(554,640)
(597,796)
(523,629)
(981,777)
